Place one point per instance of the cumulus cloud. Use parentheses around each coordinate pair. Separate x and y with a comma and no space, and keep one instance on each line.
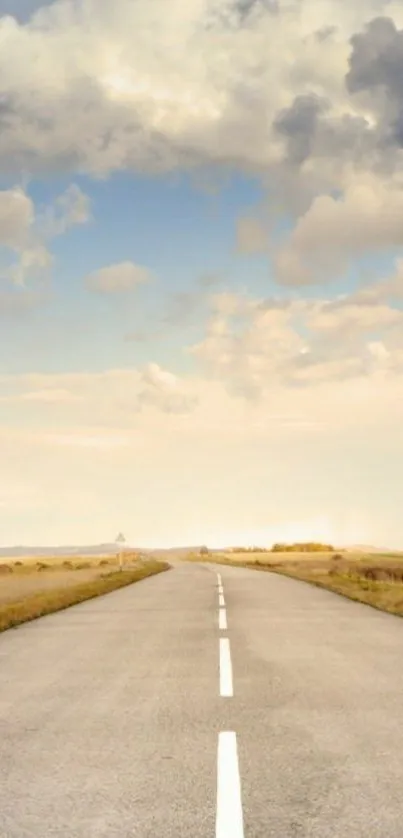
(302,94)
(298,123)
(165,391)
(367,218)
(33,261)
(159,86)
(72,208)
(16,218)
(23,254)
(119,278)
(376,69)
(253,346)
(25,234)
(24,228)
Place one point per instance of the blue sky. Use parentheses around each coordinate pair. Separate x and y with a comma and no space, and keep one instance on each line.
(180,231)
(201,272)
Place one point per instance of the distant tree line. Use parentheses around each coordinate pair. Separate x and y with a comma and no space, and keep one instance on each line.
(308,547)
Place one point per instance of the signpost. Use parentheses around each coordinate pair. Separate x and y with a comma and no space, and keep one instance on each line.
(120,539)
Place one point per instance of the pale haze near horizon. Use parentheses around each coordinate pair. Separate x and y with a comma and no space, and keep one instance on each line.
(201,272)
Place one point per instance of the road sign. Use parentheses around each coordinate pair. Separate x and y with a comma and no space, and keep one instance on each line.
(120,539)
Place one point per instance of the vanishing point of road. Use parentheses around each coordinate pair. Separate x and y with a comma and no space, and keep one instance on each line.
(205,702)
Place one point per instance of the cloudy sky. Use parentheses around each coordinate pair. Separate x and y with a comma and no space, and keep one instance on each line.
(201,271)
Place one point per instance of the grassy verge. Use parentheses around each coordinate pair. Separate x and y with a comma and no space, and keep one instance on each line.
(375,581)
(47,602)
(383,595)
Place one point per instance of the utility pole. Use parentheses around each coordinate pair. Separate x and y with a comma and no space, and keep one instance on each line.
(120,539)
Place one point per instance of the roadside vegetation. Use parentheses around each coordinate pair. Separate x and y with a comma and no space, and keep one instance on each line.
(308,547)
(374,579)
(376,582)
(68,588)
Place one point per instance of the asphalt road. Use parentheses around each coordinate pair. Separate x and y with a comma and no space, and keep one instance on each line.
(145,713)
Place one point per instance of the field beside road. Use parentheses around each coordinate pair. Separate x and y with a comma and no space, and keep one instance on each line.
(375,579)
(32,588)
(33,574)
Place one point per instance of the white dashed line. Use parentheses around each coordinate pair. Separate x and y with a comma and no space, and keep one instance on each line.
(229,817)
(220,589)
(219,578)
(226,685)
(221,600)
(222,619)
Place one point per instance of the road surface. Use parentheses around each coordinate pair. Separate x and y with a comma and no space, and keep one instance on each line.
(206,702)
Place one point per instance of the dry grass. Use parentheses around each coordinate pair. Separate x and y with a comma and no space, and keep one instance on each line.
(30,564)
(375,579)
(38,603)
(277,557)
(35,575)
(378,586)
(16,586)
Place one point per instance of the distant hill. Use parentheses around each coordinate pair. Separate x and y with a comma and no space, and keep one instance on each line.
(91,550)
(88,550)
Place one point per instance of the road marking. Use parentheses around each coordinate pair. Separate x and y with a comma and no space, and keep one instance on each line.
(226,685)
(220,589)
(229,817)
(219,578)
(222,619)
(221,600)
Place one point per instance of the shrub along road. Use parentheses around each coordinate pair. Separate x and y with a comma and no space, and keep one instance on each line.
(118,716)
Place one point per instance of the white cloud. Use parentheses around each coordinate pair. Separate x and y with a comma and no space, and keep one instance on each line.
(308,388)
(25,231)
(378,349)
(72,208)
(334,232)
(161,85)
(165,86)
(348,316)
(165,391)
(16,218)
(33,261)
(118,278)
(253,346)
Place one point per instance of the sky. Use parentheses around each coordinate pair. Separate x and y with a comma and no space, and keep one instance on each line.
(201,272)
